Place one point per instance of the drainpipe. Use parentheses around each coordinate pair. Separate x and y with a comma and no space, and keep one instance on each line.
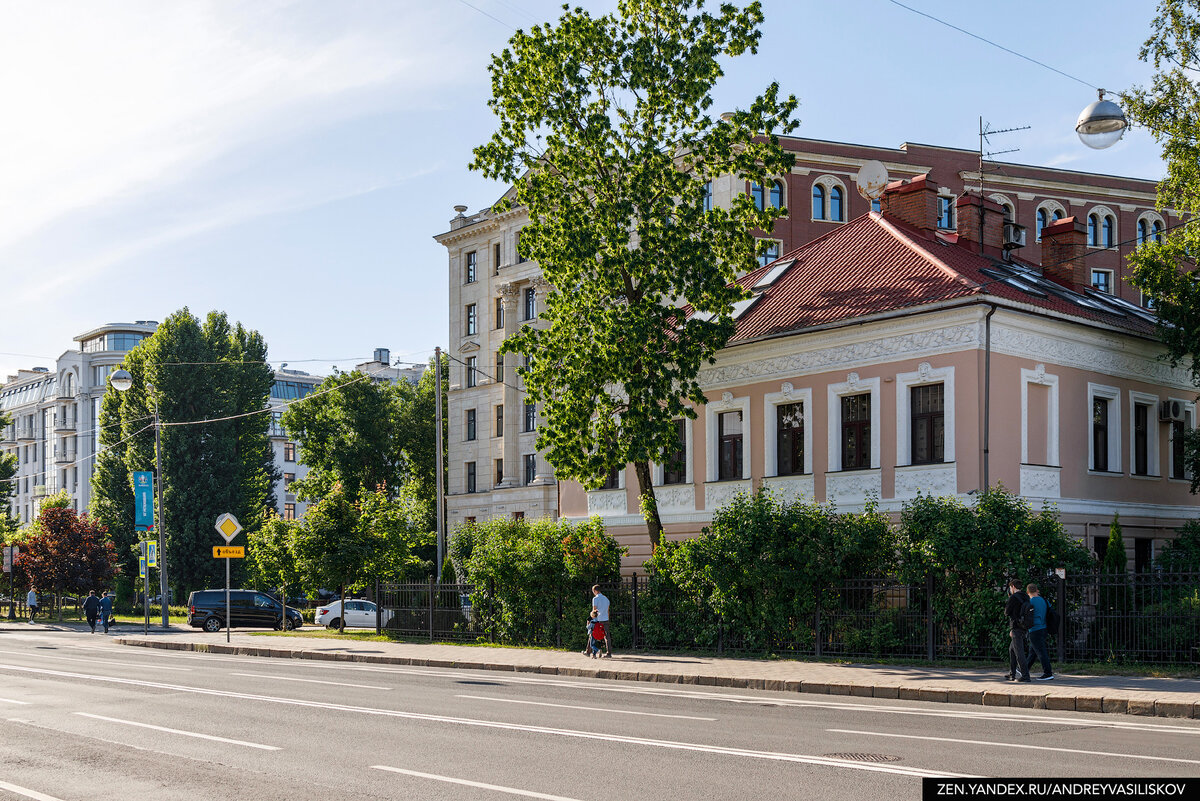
(987,391)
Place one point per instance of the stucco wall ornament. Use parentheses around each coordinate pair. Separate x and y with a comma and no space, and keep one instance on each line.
(923,370)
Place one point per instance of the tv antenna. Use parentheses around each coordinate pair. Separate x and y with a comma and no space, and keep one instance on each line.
(986,130)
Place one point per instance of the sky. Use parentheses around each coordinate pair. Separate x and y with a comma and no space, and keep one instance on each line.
(289,161)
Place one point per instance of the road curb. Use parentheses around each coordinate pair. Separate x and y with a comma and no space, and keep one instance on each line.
(1001,698)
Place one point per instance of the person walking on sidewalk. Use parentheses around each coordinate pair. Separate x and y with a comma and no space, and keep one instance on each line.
(1037,634)
(31,602)
(1018,612)
(91,609)
(106,610)
(600,604)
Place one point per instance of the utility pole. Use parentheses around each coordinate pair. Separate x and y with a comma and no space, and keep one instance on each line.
(441,521)
(162,538)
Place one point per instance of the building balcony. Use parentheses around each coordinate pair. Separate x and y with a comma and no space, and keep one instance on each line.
(64,425)
(64,455)
(8,436)
(26,434)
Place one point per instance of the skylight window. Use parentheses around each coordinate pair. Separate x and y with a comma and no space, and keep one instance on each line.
(741,306)
(773,274)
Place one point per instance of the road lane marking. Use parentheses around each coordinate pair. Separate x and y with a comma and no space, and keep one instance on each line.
(179,731)
(494,787)
(310,681)
(500,725)
(14,701)
(94,661)
(583,708)
(25,791)
(1018,745)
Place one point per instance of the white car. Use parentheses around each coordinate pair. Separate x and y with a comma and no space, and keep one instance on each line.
(359,615)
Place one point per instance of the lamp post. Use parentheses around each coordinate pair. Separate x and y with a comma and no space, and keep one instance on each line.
(1101,124)
(121,381)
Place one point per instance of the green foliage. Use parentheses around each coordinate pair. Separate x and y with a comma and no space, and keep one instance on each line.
(8,469)
(1183,552)
(1115,558)
(604,127)
(270,562)
(67,552)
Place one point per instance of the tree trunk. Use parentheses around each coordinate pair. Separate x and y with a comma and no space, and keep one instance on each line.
(649,503)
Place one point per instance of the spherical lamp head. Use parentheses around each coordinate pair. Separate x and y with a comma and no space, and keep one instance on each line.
(1101,124)
(121,380)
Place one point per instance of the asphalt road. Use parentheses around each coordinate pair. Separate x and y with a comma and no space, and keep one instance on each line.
(83,719)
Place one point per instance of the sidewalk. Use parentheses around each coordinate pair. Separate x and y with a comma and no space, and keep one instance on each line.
(1163,697)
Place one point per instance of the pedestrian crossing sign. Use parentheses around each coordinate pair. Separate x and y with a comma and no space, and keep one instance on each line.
(141,567)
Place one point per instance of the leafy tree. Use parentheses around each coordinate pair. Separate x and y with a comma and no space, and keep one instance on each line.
(269,558)
(1169,108)
(8,469)
(1115,558)
(211,382)
(604,128)
(417,419)
(1183,552)
(68,552)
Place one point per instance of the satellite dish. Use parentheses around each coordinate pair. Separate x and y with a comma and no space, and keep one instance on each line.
(872,179)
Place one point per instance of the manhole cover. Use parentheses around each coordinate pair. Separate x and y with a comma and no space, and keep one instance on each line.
(865,757)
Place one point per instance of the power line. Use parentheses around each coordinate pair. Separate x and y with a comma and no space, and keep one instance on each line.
(489,16)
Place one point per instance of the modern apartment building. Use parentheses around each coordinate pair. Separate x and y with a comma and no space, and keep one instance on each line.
(290,385)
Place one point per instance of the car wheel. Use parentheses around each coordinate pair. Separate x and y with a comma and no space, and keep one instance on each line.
(212,625)
(290,625)
(333,624)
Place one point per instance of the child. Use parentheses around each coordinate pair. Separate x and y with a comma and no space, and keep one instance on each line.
(595,630)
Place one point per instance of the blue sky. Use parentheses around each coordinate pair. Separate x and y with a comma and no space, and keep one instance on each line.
(288,162)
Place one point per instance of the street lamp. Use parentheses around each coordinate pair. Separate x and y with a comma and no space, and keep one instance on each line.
(1101,124)
(121,381)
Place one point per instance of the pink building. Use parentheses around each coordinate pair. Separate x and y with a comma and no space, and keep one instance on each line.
(893,356)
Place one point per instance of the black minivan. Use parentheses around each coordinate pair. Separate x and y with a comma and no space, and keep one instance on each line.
(206,609)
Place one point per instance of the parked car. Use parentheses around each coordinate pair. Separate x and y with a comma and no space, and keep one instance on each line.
(206,609)
(359,615)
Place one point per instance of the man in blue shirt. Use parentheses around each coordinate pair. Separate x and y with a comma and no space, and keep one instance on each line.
(1037,634)
(106,605)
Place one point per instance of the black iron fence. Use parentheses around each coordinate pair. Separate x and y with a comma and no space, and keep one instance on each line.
(1148,617)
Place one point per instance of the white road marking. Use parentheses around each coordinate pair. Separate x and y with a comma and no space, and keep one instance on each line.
(13,701)
(495,724)
(310,681)
(582,708)
(495,787)
(1018,745)
(26,792)
(178,731)
(93,661)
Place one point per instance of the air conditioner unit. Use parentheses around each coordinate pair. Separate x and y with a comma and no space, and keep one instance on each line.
(1014,236)
(1171,411)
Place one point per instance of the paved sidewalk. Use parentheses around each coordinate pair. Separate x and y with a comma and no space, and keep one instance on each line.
(1120,694)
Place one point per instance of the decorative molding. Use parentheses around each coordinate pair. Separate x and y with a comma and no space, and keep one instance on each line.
(719,493)
(929,479)
(852,381)
(771,426)
(923,370)
(791,488)
(470,346)
(606,502)
(1039,376)
(853,486)
(787,389)
(676,498)
(1038,481)
(925,374)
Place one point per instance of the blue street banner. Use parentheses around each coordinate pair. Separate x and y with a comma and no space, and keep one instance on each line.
(152,553)
(143,500)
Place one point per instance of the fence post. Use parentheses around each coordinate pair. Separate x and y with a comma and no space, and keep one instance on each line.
(929,643)
(1061,634)
(817,624)
(633,616)
(378,609)
(431,598)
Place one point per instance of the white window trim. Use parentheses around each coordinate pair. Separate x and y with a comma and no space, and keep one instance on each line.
(1111,279)
(779,244)
(1101,212)
(1150,218)
(787,394)
(904,383)
(1038,375)
(1004,202)
(658,471)
(1114,427)
(953,198)
(728,403)
(853,385)
(829,181)
(1153,453)
(1050,206)
(1189,422)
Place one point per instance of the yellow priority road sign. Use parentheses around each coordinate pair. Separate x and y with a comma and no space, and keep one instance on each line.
(229,552)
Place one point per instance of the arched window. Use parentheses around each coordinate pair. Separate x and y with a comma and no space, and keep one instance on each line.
(1093,232)
(756,194)
(1058,215)
(1109,231)
(777,194)
(1143,232)
(818,202)
(1010,214)
(1158,231)
(1043,218)
(835,203)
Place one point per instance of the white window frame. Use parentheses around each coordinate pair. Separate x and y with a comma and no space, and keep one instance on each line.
(1189,422)
(853,385)
(1101,213)
(923,376)
(1050,207)
(771,400)
(1153,452)
(658,471)
(779,246)
(1113,395)
(953,198)
(1038,375)
(828,182)
(1150,218)
(1112,288)
(728,403)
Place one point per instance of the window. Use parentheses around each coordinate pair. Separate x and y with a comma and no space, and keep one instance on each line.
(835,204)
(499,313)
(945,208)
(729,446)
(612,481)
(1043,218)
(470,466)
(470,425)
(789,442)
(289,511)
(289,451)
(757,195)
(470,519)
(1141,439)
(773,195)
(876,205)
(530,304)
(1108,228)
(776,197)
(675,462)
(927,407)
(530,417)
(771,254)
(472,319)
(856,431)
(530,467)
(499,472)
(708,196)
(1143,554)
(472,362)
(1100,434)
(499,368)
(1093,230)
(518,515)
(818,202)
(496,259)
(1143,232)
(288,480)
(471,265)
(1158,231)
(1102,281)
(499,420)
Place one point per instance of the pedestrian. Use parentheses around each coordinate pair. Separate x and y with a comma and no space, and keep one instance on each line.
(106,606)
(1037,634)
(600,605)
(1018,610)
(91,609)
(31,602)
(595,633)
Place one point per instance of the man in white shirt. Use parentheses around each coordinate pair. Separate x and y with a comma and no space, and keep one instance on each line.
(600,604)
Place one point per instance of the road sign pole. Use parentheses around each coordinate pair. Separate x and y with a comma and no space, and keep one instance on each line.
(145,589)
(162,537)
(228,610)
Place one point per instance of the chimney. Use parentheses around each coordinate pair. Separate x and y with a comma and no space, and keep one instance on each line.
(913,201)
(1064,248)
(980,220)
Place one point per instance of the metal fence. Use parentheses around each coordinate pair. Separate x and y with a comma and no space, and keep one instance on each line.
(1147,617)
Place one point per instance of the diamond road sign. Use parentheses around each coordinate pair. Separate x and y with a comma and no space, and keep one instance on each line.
(228,526)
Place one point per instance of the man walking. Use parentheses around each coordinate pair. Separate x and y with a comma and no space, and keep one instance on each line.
(106,603)
(1037,634)
(600,604)
(91,609)
(1015,610)
(31,602)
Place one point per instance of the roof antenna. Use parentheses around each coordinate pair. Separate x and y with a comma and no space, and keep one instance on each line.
(986,130)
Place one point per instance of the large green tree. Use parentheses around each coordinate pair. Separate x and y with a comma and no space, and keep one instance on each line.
(211,383)
(604,127)
(8,469)
(1169,109)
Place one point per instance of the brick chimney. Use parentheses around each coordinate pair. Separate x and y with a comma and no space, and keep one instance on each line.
(976,214)
(1064,248)
(914,201)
